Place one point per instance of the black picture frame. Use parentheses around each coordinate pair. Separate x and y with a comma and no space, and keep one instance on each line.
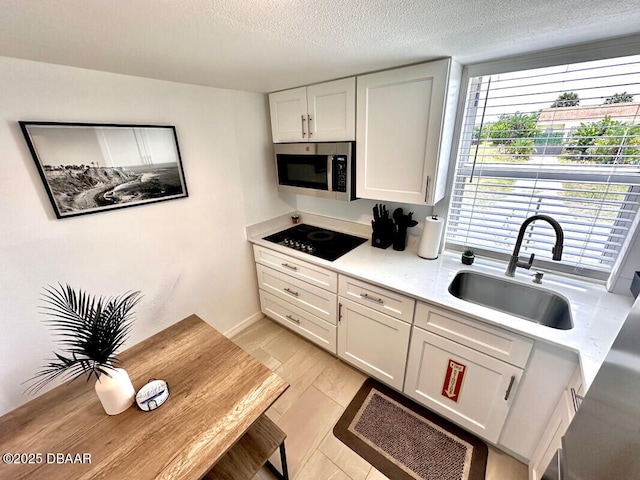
(94,167)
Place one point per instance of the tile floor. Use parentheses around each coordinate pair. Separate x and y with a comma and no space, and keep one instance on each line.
(321,387)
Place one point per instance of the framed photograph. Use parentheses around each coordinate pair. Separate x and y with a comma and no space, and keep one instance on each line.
(92,167)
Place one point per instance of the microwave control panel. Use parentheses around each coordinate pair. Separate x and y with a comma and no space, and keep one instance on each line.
(339,179)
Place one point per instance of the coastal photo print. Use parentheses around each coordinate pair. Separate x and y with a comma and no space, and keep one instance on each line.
(91,167)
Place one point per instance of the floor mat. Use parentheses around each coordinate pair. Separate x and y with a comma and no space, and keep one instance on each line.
(405,441)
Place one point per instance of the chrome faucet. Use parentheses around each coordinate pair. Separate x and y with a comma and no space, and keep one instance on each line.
(514,262)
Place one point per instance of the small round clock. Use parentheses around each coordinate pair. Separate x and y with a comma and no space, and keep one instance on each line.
(152,395)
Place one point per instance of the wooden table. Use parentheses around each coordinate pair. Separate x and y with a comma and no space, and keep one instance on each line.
(217,392)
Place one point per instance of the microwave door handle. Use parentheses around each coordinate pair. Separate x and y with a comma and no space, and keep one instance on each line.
(330,173)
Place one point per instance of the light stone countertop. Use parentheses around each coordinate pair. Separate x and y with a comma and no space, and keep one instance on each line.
(597,314)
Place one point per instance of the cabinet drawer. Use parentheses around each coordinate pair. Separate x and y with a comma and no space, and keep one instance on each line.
(465,386)
(310,298)
(501,344)
(305,324)
(377,298)
(307,272)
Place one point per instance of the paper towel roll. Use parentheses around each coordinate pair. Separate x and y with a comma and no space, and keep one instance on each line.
(430,241)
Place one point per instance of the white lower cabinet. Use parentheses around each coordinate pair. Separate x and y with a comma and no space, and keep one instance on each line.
(506,388)
(551,439)
(556,427)
(374,342)
(548,372)
(299,295)
(469,388)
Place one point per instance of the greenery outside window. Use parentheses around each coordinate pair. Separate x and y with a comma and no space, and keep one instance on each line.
(562,141)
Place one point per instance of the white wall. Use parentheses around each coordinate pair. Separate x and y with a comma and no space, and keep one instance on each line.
(186,256)
(258,172)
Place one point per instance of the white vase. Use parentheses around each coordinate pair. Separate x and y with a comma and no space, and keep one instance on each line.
(116,392)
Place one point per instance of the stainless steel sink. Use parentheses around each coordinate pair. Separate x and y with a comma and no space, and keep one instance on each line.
(527,302)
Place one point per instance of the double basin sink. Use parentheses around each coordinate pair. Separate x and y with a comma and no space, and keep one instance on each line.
(527,302)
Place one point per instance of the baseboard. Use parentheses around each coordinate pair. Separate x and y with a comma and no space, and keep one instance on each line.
(247,322)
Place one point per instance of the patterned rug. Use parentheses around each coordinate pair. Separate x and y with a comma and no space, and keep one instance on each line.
(405,441)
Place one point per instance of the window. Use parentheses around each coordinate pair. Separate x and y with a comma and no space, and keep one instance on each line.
(562,141)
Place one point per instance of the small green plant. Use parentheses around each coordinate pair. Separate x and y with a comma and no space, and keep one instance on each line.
(521,147)
(623,97)
(92,330)
(566,99)
(509,128)
(468,256)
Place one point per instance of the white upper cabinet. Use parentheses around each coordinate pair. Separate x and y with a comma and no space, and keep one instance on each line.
(289,115)
(405,120)
(318,113)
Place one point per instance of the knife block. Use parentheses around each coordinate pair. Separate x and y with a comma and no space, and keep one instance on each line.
(381,239)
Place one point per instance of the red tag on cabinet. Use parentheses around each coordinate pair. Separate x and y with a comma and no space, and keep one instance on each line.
(453,380)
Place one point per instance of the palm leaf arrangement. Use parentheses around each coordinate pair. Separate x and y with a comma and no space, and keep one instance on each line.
(91,328)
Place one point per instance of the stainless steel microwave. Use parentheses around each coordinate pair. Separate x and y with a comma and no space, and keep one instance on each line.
(325,170)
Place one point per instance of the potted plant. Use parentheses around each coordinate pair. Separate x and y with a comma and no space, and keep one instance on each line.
(468,256)
(92,329)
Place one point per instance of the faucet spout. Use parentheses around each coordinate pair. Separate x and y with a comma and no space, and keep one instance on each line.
(514,261)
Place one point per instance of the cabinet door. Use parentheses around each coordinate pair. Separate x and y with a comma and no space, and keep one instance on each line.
(551,438)
(399,123)
(288,111)
(372,341)
(467,387)
(557,425)
(331,107)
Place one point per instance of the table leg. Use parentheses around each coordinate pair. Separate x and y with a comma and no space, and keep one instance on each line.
(283,460)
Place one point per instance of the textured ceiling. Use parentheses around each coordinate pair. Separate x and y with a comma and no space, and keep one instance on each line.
(267,45)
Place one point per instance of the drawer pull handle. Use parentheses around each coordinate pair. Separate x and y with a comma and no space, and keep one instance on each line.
(508,392)
(577,399)
(291,292)
(290,267)
(366,296)
(295,320)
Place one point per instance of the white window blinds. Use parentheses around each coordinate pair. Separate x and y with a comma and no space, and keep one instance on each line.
(562,141)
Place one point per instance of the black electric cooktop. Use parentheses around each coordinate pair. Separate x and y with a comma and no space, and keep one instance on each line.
(316,241)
